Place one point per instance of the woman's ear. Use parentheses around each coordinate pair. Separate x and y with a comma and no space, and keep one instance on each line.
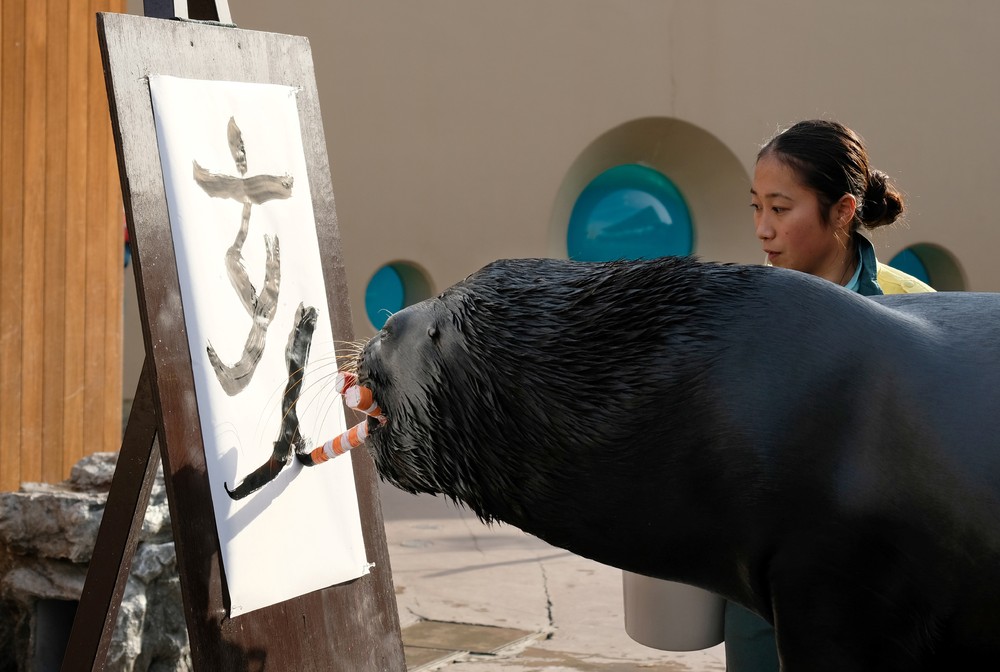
(843,212)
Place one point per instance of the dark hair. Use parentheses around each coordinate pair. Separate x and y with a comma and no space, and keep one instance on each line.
(832,160)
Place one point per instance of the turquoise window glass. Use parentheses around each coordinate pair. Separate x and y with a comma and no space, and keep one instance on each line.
(910,262)
(629,212)
(384,295)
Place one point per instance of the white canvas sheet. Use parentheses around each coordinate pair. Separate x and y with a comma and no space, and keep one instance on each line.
(302,531)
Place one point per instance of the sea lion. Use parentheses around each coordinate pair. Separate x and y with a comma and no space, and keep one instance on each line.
(830,461)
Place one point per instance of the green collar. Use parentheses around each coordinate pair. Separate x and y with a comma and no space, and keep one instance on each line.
(867,282)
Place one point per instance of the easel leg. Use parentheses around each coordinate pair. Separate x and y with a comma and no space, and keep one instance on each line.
(118,536)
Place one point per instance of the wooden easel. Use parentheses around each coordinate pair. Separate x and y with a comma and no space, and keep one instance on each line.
(352,627)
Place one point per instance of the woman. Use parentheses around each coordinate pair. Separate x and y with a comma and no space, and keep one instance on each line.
(813,190)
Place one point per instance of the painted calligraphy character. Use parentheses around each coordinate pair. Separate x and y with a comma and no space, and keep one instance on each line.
(252,190)
(259,189)
(289,437)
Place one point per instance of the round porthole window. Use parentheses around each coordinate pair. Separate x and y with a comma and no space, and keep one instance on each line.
(932,264)
(907,261)
(392,288)
(629,212)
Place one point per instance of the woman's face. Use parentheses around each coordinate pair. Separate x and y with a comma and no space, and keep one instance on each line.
(788,220)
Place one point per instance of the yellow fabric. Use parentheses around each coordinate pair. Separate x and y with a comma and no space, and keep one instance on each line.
(894,281)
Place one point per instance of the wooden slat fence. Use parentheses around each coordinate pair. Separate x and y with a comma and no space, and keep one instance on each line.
(61,238)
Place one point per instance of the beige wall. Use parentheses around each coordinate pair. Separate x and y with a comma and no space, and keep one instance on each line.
(456,128)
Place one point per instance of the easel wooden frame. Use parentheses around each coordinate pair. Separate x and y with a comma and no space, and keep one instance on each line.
(198,10)
(352,627)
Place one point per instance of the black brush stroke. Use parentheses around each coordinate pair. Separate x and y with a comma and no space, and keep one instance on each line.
(296,354)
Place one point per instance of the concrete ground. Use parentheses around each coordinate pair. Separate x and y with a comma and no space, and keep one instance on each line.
(474,598)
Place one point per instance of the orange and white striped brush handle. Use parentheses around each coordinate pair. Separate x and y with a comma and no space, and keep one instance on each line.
(352,438)
(360,399)
(356,396)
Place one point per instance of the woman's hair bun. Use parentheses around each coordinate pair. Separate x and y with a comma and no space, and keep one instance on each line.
(883,203)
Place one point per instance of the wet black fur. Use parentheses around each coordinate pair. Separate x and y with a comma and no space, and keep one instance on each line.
(828,460)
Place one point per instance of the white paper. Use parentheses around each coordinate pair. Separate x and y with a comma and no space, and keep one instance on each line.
(302,531)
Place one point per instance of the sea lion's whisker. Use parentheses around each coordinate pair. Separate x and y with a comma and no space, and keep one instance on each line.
(324,397)
(357,397)
(322,383)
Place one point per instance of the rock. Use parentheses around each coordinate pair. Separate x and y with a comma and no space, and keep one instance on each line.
(94,472)
(47,536)
(61,521)
(44,579)
(51,523)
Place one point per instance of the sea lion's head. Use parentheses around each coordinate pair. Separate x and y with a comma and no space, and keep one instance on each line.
(502,382)
(410,366)
(434,369)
